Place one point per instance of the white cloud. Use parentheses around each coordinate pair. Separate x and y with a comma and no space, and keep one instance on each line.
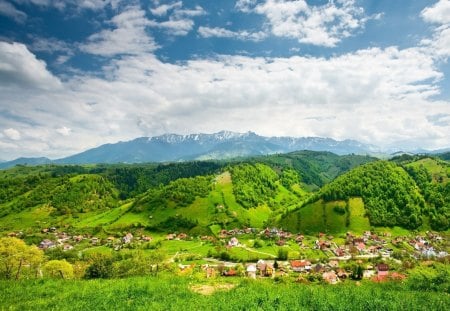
(162,9)
(12,134)
(245,5)
(20,68)
(379,96)
(438,13)
(9,10)
(322,25)
(208,32)
(180,22)
(128,36)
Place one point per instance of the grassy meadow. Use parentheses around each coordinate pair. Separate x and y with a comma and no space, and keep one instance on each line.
(189,293)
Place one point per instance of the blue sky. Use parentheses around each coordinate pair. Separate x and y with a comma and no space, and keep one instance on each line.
(75,74)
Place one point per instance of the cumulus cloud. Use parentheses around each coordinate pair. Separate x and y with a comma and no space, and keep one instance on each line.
(218,32)
(128,36)
(9,10)
(439,14)
(322,25)
(379,96)
(19,67)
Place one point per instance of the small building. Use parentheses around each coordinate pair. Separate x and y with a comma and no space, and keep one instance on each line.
(67,247)
(127,238)
(330,277)
(233,242)
(300,265)
(146,238)
(182,236)
(382,269)
(45,244)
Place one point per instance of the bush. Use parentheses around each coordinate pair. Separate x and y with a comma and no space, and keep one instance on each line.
(58,269)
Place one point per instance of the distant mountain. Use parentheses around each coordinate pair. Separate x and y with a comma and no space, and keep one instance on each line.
(25,161)
(221,145)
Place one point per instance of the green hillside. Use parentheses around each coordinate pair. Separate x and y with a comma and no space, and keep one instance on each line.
(414,192)
(204,197)
(246,195)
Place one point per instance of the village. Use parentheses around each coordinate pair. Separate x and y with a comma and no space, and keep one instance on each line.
(374,256)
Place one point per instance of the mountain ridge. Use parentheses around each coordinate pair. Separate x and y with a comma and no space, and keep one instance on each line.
(200,146)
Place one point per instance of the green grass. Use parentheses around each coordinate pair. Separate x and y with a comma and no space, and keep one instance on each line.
(175,293)
(438,169)
(358,221)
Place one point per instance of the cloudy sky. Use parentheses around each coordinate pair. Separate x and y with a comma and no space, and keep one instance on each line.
(75,74)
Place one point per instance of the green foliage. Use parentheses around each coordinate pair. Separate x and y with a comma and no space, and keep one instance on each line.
(314,168)
(390,195)
(132,180)
(58,269)
(179,193)
(282,254)
(289,177)
(431,177)
(253,184)
(101,267)
(83,193)
(15,256)
(176,223)
(434,278)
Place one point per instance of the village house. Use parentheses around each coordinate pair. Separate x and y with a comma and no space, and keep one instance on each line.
(265,269)
(333,263)
(78,238)
(146,238)
(300,265)
(330,277)
(46,244)
(233,242)
(339,252)
(95,240)
(342,274)
(170,236)
(127,238)
(182,236)
(67,247)
(382,270)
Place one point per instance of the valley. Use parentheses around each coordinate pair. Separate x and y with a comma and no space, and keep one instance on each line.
(298,218)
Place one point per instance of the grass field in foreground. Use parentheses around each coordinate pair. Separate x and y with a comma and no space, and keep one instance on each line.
(175,293)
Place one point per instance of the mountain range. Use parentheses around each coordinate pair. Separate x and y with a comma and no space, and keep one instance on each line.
(221,145)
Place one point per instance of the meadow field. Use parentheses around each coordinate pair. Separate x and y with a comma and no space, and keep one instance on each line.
(168,292)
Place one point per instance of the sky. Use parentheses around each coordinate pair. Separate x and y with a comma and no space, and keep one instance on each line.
(76,74)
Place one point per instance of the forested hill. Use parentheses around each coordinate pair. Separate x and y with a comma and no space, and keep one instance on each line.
(409,191)
(203,196)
